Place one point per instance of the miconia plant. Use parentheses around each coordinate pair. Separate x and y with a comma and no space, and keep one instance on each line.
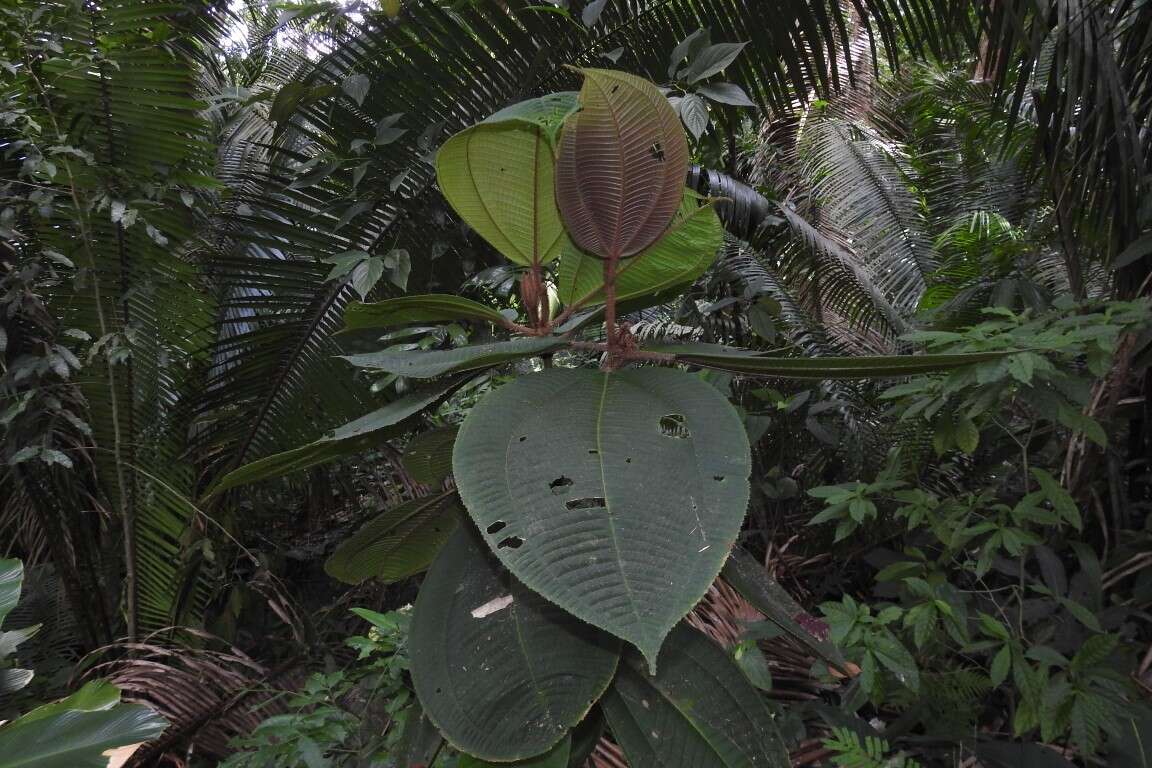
(603,503)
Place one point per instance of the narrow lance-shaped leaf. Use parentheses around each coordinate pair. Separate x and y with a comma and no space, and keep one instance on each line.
(862,367)
(419,364)
(749,579)
(503,673)
(615,495)
(353,437)
(621,166)
(429,308)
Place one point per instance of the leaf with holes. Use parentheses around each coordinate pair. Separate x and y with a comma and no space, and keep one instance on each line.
(499,176)
(419,364)
(503,673)
(700,711)
(428,458)
(615,495)
(684,253)
(398,543)
(428,308)
(621,165)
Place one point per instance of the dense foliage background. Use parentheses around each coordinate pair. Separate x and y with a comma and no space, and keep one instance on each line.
(195,194)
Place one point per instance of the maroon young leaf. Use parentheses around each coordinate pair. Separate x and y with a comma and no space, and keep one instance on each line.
(621,166)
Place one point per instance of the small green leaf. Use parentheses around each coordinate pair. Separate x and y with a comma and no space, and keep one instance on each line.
(1061,500)
(726,93)
(694,113)
(366,274)
(1001,665)
(712,60)
(356,87)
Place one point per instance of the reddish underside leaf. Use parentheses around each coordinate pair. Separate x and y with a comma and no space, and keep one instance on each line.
(621,165)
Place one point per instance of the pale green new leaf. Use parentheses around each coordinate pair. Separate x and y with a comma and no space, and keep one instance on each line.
(680,256)
(498,175)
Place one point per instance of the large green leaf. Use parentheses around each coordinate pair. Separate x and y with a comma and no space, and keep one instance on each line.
(499,176)
(353,437)
(700,711)
(75,732)
(427,308)
(750,579)
(398,543)
(557,757)
(863,367)
(621,165)
(419,364)
(684,253)
(502,672)
(428,458)
(615,495)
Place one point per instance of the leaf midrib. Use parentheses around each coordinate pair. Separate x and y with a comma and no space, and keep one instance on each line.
(608,507)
